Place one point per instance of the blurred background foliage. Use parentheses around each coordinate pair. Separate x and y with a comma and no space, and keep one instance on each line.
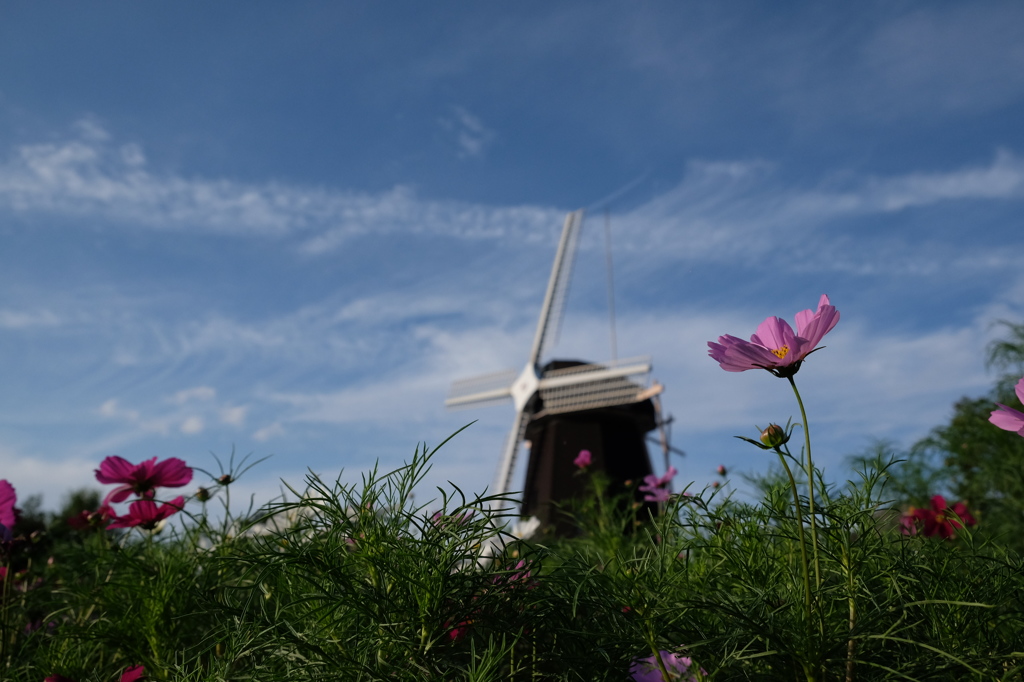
(967,458)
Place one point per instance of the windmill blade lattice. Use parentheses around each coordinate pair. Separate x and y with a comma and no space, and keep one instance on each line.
(503,479)
(558,286)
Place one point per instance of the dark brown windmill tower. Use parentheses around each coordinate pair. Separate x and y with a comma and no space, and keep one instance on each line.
(566,406)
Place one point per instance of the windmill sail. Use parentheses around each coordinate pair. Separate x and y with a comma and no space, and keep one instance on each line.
(606,403)
(558,285)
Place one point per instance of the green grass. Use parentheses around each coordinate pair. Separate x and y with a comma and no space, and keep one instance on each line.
(363,584)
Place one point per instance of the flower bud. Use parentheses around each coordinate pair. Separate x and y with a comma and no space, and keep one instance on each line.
(202,494)
(721,470)
(226,479)
(774,436)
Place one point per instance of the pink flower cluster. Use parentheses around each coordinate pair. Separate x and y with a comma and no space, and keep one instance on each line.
(680,668)
(141,479)
(8,514)
(516,576)
(657,489)
(776,347)
(1008,418)
(583,460)
(940,519)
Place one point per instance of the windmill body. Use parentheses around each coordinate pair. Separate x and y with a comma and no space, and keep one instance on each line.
(567,406)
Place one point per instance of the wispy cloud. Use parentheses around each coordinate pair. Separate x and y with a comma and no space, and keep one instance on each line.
(719,210)
(22,319)
(471,136)
(196,393)
(92,176)
(745,210)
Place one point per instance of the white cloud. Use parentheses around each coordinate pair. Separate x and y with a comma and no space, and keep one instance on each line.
(192,425)
(472,137)
(196,393)
(233,416)
(720,209)
(51,478)
(267,432)
(743,211)
(112,409)
(89,177)
(16,319)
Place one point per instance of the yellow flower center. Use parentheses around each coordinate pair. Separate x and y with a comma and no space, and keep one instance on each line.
(781,352)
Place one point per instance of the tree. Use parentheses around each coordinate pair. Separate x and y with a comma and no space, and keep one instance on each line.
(984,465)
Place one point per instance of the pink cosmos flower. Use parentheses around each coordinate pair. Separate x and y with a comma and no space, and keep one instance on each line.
(7,500)
(87,520)
(776,347)
(134,673)
(1008,418)
(141,478)
(459,632)
(938,520)
(657,488)
(146,514)
(583,460)
(648,670)
(518,575)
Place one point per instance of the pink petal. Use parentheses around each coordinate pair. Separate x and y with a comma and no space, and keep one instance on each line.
(1007,418)
(173,507)
(803,318)
(736,355)
(1019,388)
(115,469)
(133,673)
(119,494)
(7,500)
(171,473)
(774,333)
(820,324)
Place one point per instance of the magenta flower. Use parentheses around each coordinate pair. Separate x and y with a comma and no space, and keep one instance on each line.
(87,520)
(459,632)
(583,460)
(1008,418)
(134,673)
(938,520)
(141,478)
(7,514)
(146,514)
(516,576)
(648,670)
(657,488)
(776,347)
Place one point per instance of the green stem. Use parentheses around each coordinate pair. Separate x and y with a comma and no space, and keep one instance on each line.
(657,657)
(851,644)
(810,483)
(800,531)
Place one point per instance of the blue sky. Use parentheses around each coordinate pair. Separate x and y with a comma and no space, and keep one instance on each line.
(284,228)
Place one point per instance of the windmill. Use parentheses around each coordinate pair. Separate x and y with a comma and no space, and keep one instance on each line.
(565,406)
